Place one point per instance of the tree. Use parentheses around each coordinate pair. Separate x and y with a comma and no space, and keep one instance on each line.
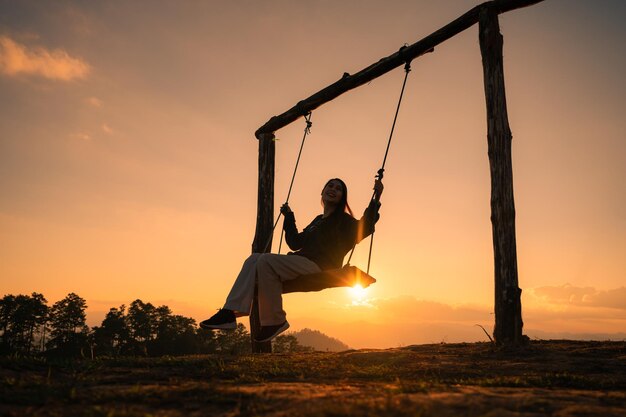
(234,342)
(142,326)
(288,343)
(175,335)
(39,315)
(113,335)
(21,318)
(206,340)
(156,331)
(8,305)
(68,329)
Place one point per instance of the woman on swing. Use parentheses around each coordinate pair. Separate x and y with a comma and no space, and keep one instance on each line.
(322,245)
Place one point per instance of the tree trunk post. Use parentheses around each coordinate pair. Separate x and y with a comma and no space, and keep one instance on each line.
(508,308)
(264,225)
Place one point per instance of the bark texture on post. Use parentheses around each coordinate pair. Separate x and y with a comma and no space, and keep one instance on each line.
(508,307)
(264,224)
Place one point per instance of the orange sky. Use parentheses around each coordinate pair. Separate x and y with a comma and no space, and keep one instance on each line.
(128,160)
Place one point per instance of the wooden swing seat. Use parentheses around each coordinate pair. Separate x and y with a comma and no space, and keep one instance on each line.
(347,276)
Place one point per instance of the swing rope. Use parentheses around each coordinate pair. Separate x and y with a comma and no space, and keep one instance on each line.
(407,69)
(381,171)
(379,175)
(307,130)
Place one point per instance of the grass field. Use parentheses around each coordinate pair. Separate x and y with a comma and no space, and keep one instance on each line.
(558,378)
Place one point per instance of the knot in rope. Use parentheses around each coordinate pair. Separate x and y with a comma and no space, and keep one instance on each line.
(309,123)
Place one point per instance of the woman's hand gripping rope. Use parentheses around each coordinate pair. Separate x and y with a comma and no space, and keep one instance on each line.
(285,209)
(378,189)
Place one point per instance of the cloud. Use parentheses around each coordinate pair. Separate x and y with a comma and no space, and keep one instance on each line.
(564,293)
(81,135)
(107,129)
(404,307)
(612,298)
(17,59)
(94,102)
(582,296)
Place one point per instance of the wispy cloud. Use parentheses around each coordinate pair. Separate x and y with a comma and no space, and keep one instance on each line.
(582,296)
(94,102)
(408,306)
(18,59)
(81,136)
(107,129)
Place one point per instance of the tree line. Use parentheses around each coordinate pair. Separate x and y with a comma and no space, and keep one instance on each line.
(28,326)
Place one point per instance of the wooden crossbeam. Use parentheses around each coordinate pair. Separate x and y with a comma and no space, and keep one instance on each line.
(384,65)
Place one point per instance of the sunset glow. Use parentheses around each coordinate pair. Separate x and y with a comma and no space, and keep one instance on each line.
(357,292)
(129,165)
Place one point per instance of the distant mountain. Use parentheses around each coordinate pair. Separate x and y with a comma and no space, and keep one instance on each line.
(319,341)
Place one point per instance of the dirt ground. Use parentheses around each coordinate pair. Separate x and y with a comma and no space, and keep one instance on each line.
(545,378)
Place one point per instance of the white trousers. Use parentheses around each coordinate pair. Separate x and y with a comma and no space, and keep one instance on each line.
(271,270)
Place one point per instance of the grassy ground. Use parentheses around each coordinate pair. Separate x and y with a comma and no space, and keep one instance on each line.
(559,378)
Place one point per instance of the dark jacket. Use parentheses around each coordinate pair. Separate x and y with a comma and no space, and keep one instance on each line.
(326,241)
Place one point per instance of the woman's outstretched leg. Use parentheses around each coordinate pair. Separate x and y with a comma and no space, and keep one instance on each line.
(239,300)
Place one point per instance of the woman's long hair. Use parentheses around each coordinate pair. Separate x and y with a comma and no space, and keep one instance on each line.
(342,205)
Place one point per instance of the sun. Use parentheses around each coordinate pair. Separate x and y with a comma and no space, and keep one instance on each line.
(358,292)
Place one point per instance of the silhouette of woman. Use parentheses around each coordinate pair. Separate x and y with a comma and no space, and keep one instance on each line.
(320,246)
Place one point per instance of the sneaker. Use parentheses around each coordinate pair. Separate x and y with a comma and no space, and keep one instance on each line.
(224,320)
(267,333)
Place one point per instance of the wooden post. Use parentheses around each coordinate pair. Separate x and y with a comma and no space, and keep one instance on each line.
(508,307)
(264,224)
